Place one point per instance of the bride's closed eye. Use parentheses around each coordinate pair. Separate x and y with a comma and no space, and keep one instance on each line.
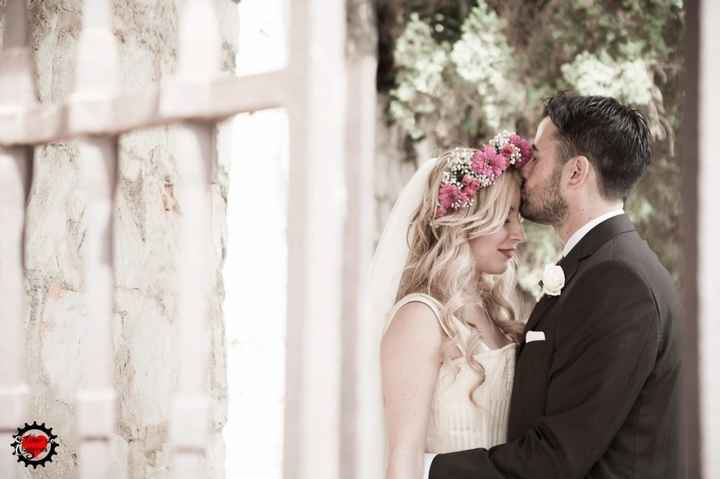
(513,213)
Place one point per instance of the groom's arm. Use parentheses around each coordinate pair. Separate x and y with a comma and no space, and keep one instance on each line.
(605,349)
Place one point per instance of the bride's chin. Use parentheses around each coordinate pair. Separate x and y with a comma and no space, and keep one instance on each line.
(502,269)
(495,269)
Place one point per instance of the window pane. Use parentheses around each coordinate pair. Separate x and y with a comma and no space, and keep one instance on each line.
(255,305)
(262,44)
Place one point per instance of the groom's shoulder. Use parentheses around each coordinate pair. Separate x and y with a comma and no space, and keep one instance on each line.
(625,274)
(605,273)
(629,259)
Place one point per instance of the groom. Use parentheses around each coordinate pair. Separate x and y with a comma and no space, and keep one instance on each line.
(597,385)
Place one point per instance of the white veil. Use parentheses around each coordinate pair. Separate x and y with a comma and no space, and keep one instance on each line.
(392,250)
(385,272)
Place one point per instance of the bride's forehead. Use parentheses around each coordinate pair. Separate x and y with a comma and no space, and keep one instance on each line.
(544,130)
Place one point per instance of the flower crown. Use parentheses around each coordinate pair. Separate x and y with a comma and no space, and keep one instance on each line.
(471,169)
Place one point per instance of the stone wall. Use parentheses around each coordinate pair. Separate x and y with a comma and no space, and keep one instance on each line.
(146,218)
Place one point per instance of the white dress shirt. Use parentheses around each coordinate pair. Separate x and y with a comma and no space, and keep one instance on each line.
(585,229)
(571,242)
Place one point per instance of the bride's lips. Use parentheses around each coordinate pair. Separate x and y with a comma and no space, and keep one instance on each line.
(508,253)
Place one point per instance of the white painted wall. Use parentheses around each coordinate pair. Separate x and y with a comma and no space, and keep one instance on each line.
(145,356)
(709,233)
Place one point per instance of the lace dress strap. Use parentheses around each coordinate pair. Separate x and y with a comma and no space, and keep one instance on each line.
(428,301)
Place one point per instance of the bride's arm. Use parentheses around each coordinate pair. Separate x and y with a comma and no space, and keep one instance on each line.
(410,359)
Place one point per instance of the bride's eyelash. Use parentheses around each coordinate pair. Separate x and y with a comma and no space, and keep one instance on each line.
(519,216)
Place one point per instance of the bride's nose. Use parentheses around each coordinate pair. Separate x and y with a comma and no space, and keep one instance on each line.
(517,235)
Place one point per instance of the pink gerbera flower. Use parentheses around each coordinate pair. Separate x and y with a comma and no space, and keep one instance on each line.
(523,146)
(471,186)
(450,195)
(478,162)
(497,162)
(470,182)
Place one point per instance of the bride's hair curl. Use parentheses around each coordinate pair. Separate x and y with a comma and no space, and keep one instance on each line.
(441,264)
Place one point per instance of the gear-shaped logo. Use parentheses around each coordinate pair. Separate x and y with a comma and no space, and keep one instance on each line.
(34,444)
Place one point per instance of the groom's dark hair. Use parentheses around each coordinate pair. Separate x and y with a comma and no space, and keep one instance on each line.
(614,137)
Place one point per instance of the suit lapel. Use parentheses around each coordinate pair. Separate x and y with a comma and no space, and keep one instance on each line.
(537,312)
(598,236)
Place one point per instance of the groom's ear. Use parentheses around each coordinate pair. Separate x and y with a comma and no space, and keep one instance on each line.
(579,171)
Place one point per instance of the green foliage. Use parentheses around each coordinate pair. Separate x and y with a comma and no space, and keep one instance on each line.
(458,71)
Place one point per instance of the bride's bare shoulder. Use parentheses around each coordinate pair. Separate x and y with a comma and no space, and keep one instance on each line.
(424,298)
(414,326)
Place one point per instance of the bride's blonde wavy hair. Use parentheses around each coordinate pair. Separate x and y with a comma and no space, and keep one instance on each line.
(441,264)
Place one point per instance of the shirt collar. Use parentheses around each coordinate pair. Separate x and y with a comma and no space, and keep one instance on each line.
(585,229)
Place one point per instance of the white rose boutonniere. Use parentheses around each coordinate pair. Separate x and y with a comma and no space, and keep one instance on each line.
(553,280)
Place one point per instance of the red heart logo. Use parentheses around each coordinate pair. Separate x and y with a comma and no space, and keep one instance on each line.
(34,444)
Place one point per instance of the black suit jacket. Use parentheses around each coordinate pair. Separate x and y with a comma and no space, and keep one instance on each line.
(599,398)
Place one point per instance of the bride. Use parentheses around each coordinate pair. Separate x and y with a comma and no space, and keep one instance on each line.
(442,276)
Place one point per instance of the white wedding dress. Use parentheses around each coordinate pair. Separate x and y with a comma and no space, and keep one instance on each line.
(455,422)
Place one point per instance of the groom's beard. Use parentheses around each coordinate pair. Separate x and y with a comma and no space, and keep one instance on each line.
(545,205)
